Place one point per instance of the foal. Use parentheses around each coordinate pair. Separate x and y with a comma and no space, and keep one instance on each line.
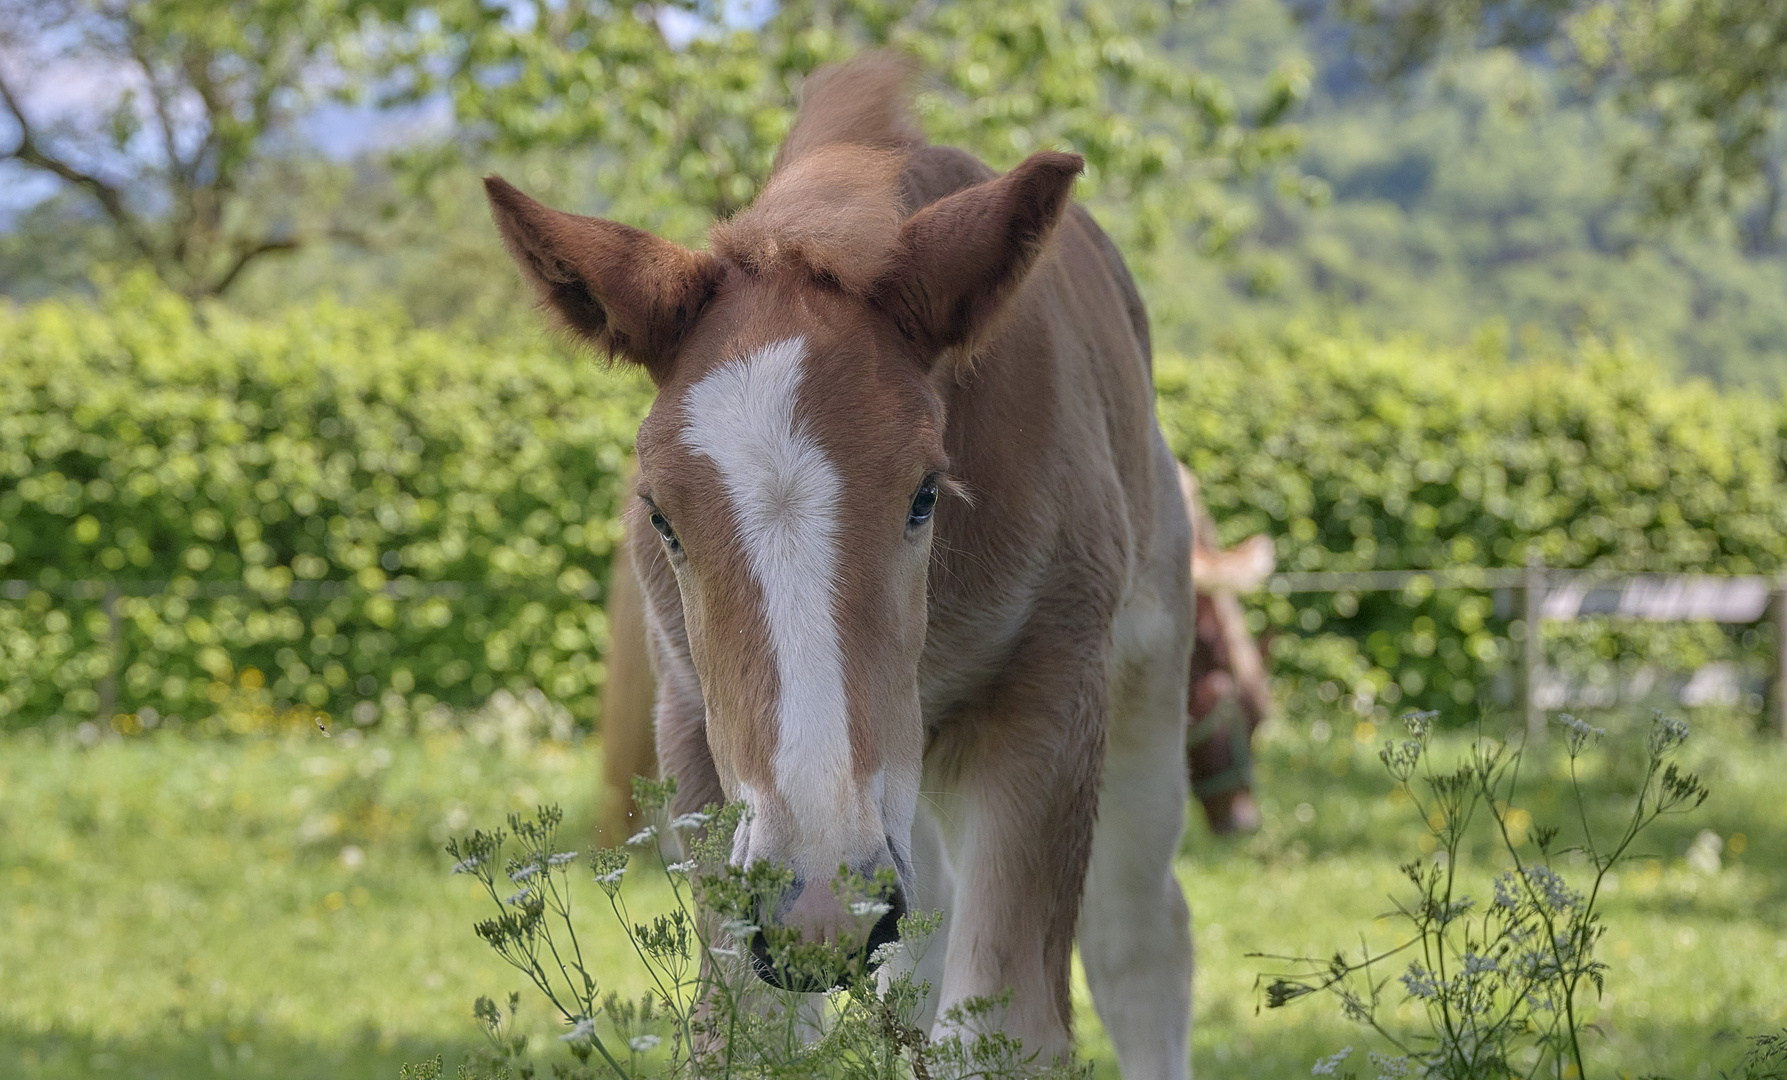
(905,526)
(1228,697)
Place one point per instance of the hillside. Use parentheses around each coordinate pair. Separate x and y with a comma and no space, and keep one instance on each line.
(1478,205)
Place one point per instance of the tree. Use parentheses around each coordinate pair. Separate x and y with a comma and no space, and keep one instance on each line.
(185,100)
(187,144)
(1711,77)
(686,130)
(1708,79)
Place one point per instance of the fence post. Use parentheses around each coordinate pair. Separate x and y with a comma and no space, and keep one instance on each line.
(1532,604)
(108,683)
(1778,602)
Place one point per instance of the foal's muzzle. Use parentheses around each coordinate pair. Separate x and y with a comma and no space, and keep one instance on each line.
(802,972)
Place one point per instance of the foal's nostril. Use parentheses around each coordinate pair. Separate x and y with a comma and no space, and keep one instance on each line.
(887,928)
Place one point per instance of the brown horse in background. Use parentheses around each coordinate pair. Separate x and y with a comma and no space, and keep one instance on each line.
(1230,695)
(1228,698)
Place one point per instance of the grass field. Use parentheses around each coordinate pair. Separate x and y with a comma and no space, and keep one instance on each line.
(279,907)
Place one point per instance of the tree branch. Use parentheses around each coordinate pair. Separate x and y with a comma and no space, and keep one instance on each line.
(247,255)
(109,197)
(158,96)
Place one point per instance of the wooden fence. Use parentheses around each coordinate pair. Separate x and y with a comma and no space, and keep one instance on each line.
(1542,593)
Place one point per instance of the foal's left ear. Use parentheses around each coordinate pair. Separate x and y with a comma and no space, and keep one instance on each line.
(966,254)
(625,291)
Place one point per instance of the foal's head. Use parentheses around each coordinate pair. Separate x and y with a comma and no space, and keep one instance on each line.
(792,461)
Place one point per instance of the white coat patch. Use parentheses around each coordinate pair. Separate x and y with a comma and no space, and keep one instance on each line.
(785,495)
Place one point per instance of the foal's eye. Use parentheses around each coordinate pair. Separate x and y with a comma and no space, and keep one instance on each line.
(923,503)
(660,523)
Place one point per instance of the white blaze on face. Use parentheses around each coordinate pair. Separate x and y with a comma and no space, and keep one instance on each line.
(785,495)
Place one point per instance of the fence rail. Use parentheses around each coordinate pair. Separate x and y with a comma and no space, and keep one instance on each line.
(1544,594)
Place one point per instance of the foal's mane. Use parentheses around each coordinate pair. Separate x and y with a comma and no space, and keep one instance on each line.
(833,204)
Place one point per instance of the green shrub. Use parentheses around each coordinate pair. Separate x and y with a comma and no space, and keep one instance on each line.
(336,511)
(283,506)
(1359,455)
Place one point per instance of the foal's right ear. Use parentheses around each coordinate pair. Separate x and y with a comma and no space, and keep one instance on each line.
(627,292)
(964,255)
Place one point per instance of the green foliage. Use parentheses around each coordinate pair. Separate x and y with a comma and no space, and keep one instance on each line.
(1496,986)
(1706,78)
(1361,456)
(336,512)
(1766,1059)
(330,511)
(707,1014)
(192,163)
(192,910)
(1478,200)
(169,148)
(1709,80)
(1003,78)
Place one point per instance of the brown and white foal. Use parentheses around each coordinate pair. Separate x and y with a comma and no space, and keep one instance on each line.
(913,556)
(1229,695)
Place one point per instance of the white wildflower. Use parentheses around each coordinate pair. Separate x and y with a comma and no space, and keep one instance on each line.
(1547,882)
(612,877)
(582,1029)
(640,1044)
(524,873)
(466,866)
(721,950)
(1421,983)
(1580,730)
(642,835)
(692,820)
(520,898)
(1475,964)
(1506,894)
(681,867)
(884,953)
(870,907)
(1329,1065)
(560,858)
(1420,723)
(1389,1066)
(1666,733)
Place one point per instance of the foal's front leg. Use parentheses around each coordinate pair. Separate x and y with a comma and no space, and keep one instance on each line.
(1019,783)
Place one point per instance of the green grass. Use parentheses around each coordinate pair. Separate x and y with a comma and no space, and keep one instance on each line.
(179,909)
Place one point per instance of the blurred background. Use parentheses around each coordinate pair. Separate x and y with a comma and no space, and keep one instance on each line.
(1476,308)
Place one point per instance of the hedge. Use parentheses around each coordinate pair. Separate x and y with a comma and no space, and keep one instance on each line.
(334,511)
(293,498)
(1364,455)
